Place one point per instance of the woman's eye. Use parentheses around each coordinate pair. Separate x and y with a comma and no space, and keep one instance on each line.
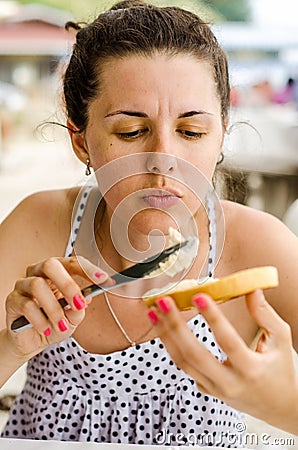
(132,134)
(191,134)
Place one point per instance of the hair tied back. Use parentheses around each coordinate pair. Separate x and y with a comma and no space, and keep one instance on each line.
(128,4)
(77,26)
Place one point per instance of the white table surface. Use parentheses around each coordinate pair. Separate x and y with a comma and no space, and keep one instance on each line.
(24,444)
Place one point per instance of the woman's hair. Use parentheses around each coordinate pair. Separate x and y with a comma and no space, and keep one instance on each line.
(134,27)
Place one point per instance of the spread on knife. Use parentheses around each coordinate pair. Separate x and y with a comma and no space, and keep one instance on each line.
(179,260)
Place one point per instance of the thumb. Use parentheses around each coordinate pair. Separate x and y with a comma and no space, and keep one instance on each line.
(273,326)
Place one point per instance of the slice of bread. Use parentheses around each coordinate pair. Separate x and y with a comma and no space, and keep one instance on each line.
(223,289)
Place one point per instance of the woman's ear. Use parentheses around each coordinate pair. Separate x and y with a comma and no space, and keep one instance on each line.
(78,142)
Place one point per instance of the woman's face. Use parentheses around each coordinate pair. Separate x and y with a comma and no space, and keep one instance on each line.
(162,107)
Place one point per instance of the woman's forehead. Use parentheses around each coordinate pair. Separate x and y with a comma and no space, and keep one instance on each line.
(154,62)
(178,76)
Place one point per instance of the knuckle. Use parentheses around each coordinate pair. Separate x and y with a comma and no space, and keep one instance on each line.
(73,261)
(19,284)
(175,328)
(28,307)
(166,332)
(49,263)
(29,269)
(35,285)
(253,373)
(174,324)
(10,299)
(76,264)
(285,332)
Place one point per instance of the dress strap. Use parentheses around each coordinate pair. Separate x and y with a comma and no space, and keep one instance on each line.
(77,219)
(209,266)
(212,236)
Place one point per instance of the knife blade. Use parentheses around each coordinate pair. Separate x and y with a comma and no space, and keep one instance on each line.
(126,276)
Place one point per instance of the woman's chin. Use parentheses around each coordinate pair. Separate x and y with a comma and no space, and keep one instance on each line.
(155,223)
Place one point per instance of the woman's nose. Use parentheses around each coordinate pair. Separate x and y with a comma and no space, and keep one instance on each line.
(161,163)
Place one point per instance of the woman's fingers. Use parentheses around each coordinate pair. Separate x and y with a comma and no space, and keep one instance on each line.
(226,335)
(275,330)
(246,378)
(18,304)
(35,296)
(73,265)
(195,358)
(46,293)
(184,348)
(61,271)
(45,312)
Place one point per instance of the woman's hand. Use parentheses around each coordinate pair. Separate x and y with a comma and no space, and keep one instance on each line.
(261,383)
(44,284)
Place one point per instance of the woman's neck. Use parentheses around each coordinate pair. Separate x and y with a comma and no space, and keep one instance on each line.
(120,250)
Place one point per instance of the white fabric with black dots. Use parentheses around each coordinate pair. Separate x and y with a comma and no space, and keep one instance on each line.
(135,396)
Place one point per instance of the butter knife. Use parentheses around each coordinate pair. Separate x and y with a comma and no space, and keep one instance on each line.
(133,273)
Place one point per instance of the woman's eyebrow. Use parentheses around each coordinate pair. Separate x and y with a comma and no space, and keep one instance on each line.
(193,113)
(127,113)
(140,114)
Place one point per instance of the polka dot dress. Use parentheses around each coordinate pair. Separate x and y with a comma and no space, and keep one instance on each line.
(135,396)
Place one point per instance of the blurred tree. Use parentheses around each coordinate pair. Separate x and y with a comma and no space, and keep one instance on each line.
(231,10)
(88,8)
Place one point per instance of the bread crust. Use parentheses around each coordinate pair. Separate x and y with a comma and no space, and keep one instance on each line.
(224,289)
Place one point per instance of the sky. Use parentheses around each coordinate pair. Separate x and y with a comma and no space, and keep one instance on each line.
(275,12)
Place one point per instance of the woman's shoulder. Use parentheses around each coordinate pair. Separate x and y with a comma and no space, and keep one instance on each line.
(46,206)
(237,215)
(42,218)
(50,198)
(256,236)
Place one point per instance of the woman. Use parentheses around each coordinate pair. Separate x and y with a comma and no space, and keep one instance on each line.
(148,86)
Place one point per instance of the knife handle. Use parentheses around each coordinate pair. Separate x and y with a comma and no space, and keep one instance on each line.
(21,323)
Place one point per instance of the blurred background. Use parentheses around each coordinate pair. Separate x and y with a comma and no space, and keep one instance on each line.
(261,40)
(260,168)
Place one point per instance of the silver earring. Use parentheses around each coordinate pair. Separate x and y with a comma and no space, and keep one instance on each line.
(87,171)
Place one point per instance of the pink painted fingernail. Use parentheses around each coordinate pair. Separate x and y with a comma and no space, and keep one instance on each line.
(99,274)
(152,316)
(200,301)
(63,325)
(47,332)
(79,302)
(164,305)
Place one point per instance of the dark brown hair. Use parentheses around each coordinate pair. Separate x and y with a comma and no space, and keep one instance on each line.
(137,28)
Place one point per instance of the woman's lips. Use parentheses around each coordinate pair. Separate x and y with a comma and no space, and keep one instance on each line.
(161,199)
